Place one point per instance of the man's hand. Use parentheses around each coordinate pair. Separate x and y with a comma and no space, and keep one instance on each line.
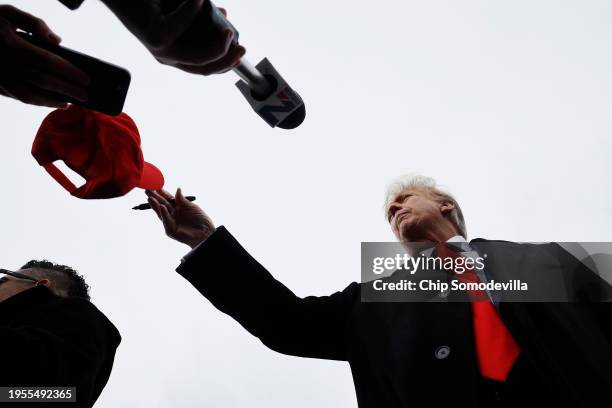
(31,74)
(184,221)
(172,37)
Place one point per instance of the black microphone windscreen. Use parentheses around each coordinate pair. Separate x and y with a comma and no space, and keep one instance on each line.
(295,119)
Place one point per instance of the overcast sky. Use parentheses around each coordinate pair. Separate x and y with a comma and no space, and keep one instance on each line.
(506,103)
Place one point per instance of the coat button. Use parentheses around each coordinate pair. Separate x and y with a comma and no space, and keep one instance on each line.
(442,352)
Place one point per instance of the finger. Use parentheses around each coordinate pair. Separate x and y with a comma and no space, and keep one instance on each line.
(222,47)
(56,85)
(199,52)
(230,61)
(166,195)
(168,221)
(155,206)
(159,209)
(236,64)
(33,96)
(156,195)
(181,19)
(161,199)
(32,24)
(49,62)
(149,192)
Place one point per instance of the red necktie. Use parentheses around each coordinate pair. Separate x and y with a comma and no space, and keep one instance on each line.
(496,348)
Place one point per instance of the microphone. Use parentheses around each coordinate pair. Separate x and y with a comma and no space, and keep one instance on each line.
(269,95)
(263,87)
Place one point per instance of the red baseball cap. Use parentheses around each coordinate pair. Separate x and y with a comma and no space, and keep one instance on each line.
(104,150)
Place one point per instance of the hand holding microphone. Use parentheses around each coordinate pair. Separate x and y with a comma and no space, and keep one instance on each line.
(195,36)
(174,33)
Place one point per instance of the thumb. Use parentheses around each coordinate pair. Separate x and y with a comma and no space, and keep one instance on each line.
(181,19)
(180,198)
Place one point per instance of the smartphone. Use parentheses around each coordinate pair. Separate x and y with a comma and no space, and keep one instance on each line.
(109,83)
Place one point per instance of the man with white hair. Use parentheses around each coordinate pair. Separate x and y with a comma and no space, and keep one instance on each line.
(411,354)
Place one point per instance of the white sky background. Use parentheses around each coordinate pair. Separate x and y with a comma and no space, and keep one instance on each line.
(507,104)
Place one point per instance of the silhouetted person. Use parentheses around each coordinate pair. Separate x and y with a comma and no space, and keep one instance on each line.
(52,335)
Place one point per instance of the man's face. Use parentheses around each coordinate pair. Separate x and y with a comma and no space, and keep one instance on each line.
(415,216)
(10,286)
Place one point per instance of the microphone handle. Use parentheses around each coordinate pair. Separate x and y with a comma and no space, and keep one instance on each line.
(257,82)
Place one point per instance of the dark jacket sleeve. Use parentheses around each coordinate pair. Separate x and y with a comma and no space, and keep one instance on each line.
(66,343)
(239,286)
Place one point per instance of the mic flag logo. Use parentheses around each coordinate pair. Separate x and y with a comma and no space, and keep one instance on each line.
(287,105)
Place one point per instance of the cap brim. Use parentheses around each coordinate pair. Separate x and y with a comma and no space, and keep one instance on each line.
(152,178)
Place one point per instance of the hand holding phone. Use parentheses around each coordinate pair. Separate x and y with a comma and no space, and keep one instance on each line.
(108,84)
(29,72)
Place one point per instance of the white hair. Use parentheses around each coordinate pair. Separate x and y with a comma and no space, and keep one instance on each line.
(418,182)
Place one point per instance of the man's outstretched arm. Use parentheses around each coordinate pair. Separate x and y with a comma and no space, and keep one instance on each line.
(223,271)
